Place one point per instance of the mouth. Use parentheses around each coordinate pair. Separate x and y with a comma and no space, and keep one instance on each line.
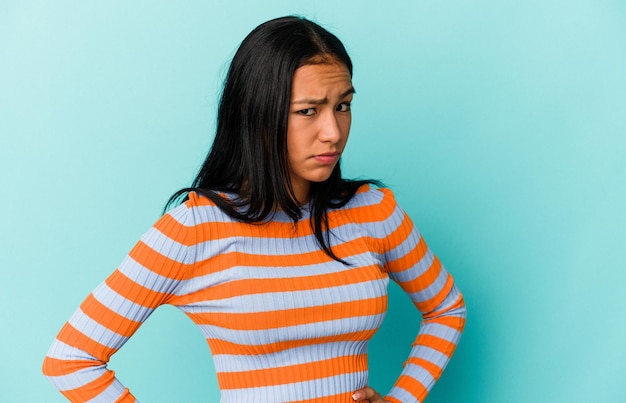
(327,158)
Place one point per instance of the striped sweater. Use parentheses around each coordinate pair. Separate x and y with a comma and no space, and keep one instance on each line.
(284,322)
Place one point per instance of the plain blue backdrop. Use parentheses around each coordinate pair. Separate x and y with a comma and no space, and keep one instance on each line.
(500,125)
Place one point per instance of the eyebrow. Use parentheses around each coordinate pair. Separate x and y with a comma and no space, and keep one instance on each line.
(323,101)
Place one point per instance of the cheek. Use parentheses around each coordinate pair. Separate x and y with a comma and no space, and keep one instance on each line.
(296,139)
(292,135)
(345,126)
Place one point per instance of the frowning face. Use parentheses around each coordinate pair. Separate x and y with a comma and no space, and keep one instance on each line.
(319,123)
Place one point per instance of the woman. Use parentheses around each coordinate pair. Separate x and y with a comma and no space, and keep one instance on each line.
(282,264)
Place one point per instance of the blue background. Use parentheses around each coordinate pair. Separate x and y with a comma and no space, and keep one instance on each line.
(500,125)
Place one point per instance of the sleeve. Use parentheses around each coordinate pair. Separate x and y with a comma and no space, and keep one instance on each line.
(412,265)
(148,277)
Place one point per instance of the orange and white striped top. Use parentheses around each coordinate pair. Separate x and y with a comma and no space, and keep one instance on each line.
(285,322)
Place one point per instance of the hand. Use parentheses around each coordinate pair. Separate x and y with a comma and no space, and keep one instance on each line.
(368,394)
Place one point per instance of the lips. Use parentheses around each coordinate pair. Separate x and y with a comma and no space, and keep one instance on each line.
(327,158)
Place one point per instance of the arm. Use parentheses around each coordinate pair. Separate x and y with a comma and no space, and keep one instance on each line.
(421,275)
(76,363)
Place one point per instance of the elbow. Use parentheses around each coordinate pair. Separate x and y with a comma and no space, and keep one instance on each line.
(52,367)
(461,311)
(460,307)
(451,312)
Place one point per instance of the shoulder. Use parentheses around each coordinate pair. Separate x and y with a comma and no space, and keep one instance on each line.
(199,209)
(369,197)
(371,205)
(196,214)
(373,213)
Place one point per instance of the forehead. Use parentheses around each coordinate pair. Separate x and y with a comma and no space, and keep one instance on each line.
(324,79)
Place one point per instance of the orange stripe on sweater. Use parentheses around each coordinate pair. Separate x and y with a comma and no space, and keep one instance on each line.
(224,347)
(425,279)
(271,285)
(436,343)
(69,335)
(228,260)
(135,292)
(435,301)
(341,397)
(434,370)
(453,322)
(372,213)
(163,265)
(400,234)
(91,389)
(126,397)
(215,230)
(175,230)
(108,318)
(292,317)
(414,387)
(225,261)
(410,259)
(56,367)
(220,230)
(293,373)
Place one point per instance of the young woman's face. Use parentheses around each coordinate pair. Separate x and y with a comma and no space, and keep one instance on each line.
(318,124)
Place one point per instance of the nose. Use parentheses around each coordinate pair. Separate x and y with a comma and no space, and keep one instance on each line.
(329,130)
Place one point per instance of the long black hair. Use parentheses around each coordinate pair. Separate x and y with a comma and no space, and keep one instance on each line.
(248,157)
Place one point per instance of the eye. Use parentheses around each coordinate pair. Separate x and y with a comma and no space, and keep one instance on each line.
(343,107)
(306,112)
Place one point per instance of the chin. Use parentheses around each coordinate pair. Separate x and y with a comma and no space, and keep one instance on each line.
(319,178)
(323,175)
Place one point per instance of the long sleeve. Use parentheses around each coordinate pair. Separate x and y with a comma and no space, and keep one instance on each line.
(76,363)
(421,275)
(283,320)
